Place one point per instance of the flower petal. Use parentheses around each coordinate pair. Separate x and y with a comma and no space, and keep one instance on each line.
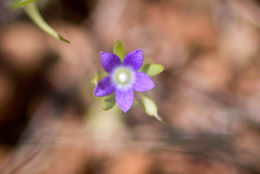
(125,99)
(104,87)
(109,61)
(134,59)
(143,82)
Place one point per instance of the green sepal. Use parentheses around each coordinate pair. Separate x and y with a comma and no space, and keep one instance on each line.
(20,3)
(99,76)
(109,102)
(33,13)
(119,50)
(152,69)
(150,107)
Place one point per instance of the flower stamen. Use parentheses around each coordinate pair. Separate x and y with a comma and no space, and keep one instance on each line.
(122,77)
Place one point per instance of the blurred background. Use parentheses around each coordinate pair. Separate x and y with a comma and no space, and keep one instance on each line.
(208,95)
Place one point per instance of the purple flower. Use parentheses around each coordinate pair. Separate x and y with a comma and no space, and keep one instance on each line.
(123,78)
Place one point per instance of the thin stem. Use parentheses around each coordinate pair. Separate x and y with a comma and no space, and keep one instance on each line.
(33,13)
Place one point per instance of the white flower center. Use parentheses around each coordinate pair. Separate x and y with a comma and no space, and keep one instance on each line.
(122,77)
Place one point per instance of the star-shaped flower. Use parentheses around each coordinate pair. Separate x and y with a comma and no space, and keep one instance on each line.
(123,78)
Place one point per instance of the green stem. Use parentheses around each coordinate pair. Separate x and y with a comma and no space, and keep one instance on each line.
(33,13)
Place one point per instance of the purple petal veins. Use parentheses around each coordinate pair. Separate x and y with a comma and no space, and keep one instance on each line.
(104,87)
(125,99)
(109,61)
(142,82)
(134,59)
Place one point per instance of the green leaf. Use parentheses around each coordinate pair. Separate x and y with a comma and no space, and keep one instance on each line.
(109,102)
(21,3)
(94,80)
(150,107)
(99,76)
(119,50)
(144,67)
(33,13)
(152,69)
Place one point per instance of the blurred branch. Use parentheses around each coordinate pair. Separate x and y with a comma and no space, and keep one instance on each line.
(249,9)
